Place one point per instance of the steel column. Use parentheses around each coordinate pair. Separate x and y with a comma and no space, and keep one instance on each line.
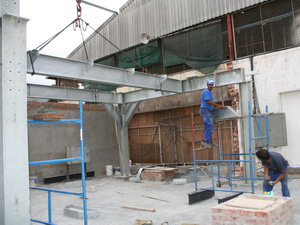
(245,99)
(14,175)
(123,114)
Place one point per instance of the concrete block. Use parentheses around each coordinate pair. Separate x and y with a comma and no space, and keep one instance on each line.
(200,195)
(76,212)
(179,181)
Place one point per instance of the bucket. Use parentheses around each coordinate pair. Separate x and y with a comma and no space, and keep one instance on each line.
(117,171)
(32,180)
(109,170)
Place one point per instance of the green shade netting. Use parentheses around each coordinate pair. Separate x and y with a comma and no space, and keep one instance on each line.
(145,55)
(200,49)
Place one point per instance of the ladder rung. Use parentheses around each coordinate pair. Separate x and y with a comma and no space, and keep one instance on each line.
(260,137)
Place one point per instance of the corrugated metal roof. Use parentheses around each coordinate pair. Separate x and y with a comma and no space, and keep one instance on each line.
(156,18)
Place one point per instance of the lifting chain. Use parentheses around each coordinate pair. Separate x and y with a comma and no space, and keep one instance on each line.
(78,22)
(78,9)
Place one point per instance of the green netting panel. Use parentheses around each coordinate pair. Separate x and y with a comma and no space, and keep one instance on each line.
(145,55)
(200,48)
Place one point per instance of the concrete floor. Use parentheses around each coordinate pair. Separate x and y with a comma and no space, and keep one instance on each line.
(108,194)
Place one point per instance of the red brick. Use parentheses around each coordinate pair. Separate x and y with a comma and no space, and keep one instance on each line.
(262,214)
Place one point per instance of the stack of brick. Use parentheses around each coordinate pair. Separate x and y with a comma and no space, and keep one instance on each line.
(159,174)
(250,209)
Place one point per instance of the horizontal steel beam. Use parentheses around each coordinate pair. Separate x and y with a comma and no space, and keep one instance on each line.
(235,76)
(191,84)
(61,93)
(87,71)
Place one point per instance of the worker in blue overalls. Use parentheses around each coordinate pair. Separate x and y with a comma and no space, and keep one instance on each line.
(206,108)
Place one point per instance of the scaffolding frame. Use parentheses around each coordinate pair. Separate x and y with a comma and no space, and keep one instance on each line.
(82,162)
(250,155)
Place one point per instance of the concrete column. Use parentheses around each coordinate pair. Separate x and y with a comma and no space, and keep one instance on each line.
(14,179)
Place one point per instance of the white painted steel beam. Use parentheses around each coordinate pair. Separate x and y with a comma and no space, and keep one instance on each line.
(85,71)
(235,76)
(61,93)
(191,84)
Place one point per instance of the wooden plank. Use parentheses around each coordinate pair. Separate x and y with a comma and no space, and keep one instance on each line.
(138,208)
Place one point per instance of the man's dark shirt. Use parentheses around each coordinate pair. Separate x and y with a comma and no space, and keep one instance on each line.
(278,163)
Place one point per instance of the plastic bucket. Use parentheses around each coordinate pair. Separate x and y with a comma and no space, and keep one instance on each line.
(109,170)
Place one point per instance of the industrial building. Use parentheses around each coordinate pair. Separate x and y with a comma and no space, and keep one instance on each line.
(142,73)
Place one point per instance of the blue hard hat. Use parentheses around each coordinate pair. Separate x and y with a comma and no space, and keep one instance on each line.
(210,81)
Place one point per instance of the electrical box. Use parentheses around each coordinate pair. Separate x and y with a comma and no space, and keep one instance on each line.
(277,130)
(73,152)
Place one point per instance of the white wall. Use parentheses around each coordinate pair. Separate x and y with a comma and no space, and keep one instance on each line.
(291,106)
(279,73)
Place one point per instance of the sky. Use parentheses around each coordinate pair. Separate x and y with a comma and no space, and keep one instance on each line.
(48,17)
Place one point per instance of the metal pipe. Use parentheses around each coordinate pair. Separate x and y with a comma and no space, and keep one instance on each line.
(219,148)
(180,122)
(53,161)
(211,161)
(230,175)
(99,7)
(139,145)
(49,208)
(175,147)
(267,129)
(225,190)
(250,147)
(261,137)
(151,126)
(56,121)
(212,173)
(42,222)
(230,37)
(160,147)
(56,191)
(83,169)
(194,153)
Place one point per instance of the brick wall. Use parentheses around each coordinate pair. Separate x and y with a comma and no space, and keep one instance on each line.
(33,105)
(159,174)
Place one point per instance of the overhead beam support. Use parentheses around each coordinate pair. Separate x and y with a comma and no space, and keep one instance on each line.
(190,84)
(85,71)
(235,76)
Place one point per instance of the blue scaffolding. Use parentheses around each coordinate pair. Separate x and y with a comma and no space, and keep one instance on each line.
(81,159)
(248,157)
